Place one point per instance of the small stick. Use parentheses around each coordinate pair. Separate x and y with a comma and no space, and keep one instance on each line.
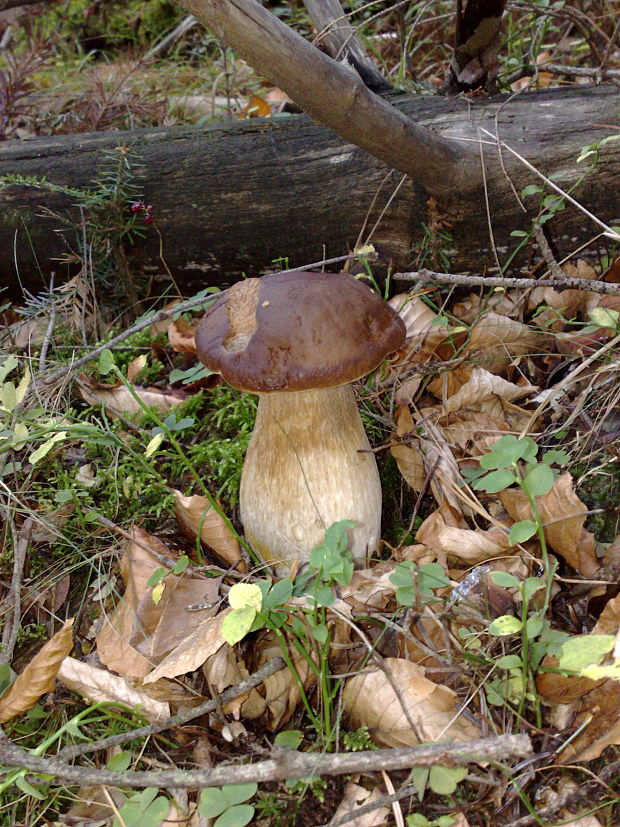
(257,678)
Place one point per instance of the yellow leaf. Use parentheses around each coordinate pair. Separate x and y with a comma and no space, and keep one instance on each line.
(245,596)
(38,677)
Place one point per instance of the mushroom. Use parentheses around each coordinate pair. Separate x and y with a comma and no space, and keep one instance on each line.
(299,340)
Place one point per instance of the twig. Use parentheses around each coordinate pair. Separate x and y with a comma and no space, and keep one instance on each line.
(170,39)
(160,316)
(20,547)
(556,69)
(283,764)
(547,254)
(496,281)
(181,718)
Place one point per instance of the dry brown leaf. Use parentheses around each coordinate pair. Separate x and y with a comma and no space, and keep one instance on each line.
(119,400)
(563,515)
(93,806)
(370,588)
(370,700)
(600,712)
(137,635)
(196,515)
(441,466)
(408,458)
(101,686)
(113,641)
(562,689)
(181,336)
(424,335)
(468,546)
(193,651)
(495,341)
(483,391)
(473,432)
(609,619)
(38,676)
(355,797)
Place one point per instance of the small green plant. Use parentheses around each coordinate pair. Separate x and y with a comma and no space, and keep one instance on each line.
(358,740)
(228,805)
(416,585)
(142,809)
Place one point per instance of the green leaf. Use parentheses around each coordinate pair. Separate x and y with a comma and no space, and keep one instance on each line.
(522,531)
(403,574)
(510,662)
(505,625)
(444,780)
(432,576)
(531,586)
(8,397)
(531,189)
(27,788)
(141,811)
(238,793)
(556,456)
(505,579)
(212,802)
(289,739)
(9,364)
(245,595)
(319,631)
(604,317)
(153,445)
(44,449)
(106,363)
(495,481)
(238,623)
(418,820)
(237,816)
(157,576)
(120,762)
(534,626)
(181,564)
(539,480)
(519,234)
(583,650)
(279,594)
(419,777)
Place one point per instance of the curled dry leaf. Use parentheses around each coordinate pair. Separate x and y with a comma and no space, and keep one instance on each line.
(408,457)
(440,466)
(355,797)
(473,432)
(193,651)
(486,392)
(101,686)
(196,516)
(370,588)
(496,341)
(563,515)
(468,546)
(404,708)
(118,400)
(424,335)
(181,336)
(38,677)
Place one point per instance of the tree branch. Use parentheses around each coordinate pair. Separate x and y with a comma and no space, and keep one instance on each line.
(283,764)
(338,36)
(492,281)
(333,94)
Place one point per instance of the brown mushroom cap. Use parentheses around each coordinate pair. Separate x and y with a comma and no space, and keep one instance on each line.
(297,331)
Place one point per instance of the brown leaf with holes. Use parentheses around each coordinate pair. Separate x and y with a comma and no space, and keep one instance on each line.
(101,686)
(39,675)
(355,797)
(402,708)
(496,341)
(196,516)
(563,515)
(193,650)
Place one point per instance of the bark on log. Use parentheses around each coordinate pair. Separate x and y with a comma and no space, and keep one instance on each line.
(231,198)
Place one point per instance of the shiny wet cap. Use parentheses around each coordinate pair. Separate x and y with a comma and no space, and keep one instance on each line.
(297,331)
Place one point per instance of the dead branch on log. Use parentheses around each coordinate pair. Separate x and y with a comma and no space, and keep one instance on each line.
(338,36)
(334,95)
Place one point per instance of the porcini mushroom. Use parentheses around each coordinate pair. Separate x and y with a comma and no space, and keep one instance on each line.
(299,340)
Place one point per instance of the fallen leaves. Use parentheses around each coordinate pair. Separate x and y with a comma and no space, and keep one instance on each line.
(401,707)
(198,518)
(39,675)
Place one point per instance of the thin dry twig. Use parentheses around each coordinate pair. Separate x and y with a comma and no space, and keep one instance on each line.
(181,718)
(21,540)
(497,281)
(283,764)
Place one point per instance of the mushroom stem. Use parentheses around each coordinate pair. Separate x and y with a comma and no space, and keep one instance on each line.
(309,465)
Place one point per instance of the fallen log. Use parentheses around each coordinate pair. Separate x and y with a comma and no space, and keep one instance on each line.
(230,198)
